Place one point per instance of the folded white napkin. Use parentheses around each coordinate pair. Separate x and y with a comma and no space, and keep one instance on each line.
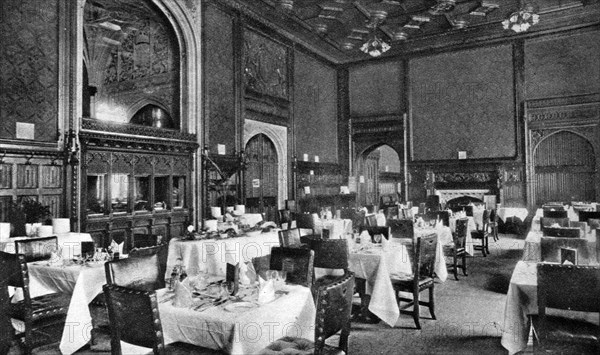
(247,273)
(266,291)
(183,294)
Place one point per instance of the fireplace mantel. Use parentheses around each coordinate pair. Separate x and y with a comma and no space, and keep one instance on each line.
(447,195)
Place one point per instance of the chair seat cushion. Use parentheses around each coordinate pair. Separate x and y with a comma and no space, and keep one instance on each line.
(478,234)
(45,306)
(569,330)
(406,281)
(299,346)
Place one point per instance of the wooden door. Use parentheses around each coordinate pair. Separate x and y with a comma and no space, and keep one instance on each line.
(564,166)
(261,177)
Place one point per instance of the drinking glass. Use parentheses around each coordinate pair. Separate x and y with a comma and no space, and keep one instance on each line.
(377,238)
(271,275)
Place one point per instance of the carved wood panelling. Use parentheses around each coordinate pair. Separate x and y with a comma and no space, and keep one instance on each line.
(265,66)
(27,176)
(29,67)
(5,203)
(462,177)
(5,176)
(51,176)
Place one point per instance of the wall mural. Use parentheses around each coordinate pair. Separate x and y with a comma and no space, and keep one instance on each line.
(29,67)
(265,66)
(132,58)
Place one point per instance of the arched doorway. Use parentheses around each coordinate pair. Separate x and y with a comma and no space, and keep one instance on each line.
(261,178)
(380,174)
(564,169)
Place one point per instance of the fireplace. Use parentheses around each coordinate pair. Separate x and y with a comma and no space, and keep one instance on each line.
(472,195)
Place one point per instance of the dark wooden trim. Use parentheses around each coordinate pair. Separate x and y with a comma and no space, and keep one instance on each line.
(518,55)
(343,116)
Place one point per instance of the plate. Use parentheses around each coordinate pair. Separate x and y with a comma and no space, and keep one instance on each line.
(240,306)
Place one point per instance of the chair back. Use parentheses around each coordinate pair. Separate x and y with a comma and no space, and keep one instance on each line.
(493,216)
(548,222)
(392,212)
(583,226)
(552,213)
(141,273)
(551,249)
(567,287)
(402,228)
(232,277)
(594,223)
(584,216)
(289,237)
(134,318)
(13,268)
(405,213)
(371,220)
(139,240)
(425,256)
(162,251)
(330,253)
(334,308)
(562,232)
(35,249)
(304,221)
(432,203)
(358,220)
(297,262)
(460,235)
(7,331)
(284,216)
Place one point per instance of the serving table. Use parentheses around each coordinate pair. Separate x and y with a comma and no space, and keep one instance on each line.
(243,331)
(212,255)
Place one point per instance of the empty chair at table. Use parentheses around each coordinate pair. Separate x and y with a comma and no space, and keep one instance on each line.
(402,228)
(457,250)
(546,222)
(142,272)
(35,249)
(584,216)
(551,213)
(40,315)
(563,232)
(568,288)
(289,237)
(296,262)
(551,250)
(331,255)
(423,264)
(161,251)
(334,307)
(483,234)
(493,225)
(135,319)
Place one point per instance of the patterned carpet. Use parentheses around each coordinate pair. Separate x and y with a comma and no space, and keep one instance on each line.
(469,313)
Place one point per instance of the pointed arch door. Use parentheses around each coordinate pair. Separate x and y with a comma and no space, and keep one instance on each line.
(564,169)
(261,181)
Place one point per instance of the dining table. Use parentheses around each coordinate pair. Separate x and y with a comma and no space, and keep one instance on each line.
(521,302)
(212,255)
(377,263)
(239,326)
(83,282)
(532,250)
(69,243)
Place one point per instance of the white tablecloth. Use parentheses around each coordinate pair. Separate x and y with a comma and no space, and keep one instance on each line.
(83,283)
(241,333)
(506,212)
(378,263)
(212,255)
(532,250)
(337,227)
(70,243)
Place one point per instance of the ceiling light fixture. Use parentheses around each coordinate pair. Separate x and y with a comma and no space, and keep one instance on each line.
(375,46)
(521,20)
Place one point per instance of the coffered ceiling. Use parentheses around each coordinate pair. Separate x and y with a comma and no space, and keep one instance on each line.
(338,28)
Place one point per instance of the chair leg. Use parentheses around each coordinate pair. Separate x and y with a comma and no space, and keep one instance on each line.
(455,267)
(431,303)
(483,247)
(487,245)
(464,264)
(416,308)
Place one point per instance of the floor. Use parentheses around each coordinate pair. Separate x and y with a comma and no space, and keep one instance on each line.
(469,313)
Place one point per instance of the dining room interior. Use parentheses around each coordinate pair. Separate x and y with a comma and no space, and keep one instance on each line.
(257,176)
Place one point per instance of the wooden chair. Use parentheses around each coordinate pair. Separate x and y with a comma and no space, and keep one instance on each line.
(284,217)
(40,315)
(402,228)
(297,262)
(334,306)
(305,222)
(135,319)
(432,203)
(583,226)
(161,251)
(457,249)
(139,240)
(7,332)
(546,222)
(330,254)
(584,216)
(371,220)
(289,237)
(494,224)
(35,249)
(142,272)
(423,263)
(552,213)
(550,249)
(572,288)
(562,232)
(483,234)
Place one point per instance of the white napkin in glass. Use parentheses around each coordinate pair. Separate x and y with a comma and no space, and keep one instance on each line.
(266,291)
(183,294)
(247,273)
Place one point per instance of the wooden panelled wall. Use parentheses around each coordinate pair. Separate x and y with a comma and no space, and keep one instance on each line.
(473,100)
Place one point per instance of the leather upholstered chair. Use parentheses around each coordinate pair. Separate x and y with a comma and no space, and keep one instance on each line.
(567,288)
(35,249)
(457,249)
(142,272)
(330,254)
(334,306)
(39,314)
(423,262)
